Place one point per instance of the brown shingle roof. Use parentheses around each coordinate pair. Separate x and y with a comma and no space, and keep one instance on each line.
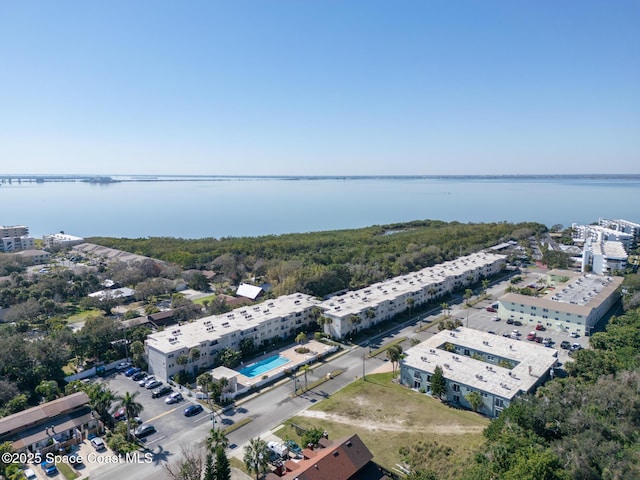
(339,461)
(41,413)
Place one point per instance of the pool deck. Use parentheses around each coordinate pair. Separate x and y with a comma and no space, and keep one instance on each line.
(316,349)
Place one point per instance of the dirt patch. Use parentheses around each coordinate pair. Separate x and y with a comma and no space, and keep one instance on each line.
(373,425)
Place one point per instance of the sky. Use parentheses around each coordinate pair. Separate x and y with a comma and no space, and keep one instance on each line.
(319,87)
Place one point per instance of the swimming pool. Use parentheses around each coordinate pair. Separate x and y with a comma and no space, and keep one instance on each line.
(263,366)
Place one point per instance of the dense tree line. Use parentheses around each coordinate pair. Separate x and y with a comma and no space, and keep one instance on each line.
(323,262)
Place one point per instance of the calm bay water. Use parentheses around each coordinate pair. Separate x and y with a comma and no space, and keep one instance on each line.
(261,206)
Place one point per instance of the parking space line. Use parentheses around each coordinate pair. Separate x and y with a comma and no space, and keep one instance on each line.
(155,440)
(162,415)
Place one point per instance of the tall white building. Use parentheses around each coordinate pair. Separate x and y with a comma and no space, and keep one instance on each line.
(15,238)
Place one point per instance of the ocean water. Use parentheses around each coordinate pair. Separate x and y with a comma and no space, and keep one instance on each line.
(233,207)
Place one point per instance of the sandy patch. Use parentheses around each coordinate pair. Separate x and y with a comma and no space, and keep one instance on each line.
(372,425)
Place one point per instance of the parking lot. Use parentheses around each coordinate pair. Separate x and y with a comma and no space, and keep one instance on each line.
(480,318)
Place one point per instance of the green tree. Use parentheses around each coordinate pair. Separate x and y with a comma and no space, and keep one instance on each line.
(301,338)
(131,407)
(256,456)
(445,308)
(223,467)
(438,382)
(394,354)
(209,468)
(306,369)
(468,293)
(475,400)
(48,389)
(485,286)
(216,439)
(312,437)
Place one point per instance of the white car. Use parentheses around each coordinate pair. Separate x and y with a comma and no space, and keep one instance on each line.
(175,397)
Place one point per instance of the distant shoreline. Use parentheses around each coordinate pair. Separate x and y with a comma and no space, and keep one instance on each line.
(10,179)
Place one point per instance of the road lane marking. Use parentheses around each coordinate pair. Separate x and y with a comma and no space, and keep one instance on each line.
(162,415)
(155,440)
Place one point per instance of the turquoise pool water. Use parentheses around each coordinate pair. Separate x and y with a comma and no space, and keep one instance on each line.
(263,366)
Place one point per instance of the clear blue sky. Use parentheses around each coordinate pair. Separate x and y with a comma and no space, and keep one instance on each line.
(326,87)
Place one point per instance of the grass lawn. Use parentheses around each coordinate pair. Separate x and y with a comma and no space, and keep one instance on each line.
(83,314)
(201,300)
(388,416)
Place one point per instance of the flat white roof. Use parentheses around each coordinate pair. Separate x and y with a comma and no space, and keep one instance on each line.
(213,327)
(356,301)
(533,361)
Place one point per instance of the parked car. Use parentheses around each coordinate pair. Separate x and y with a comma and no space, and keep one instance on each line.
(49,468)
(123,366)
(146,379)
(537,339)
(75,459)
(192,410)
(492,309)
(98,443)
(175,397)
(540,327)
(120,414)
(576,346)
(517,323)
(509,321)
(152,384)
(138,376)
(495,318)
(565,345)
(531,336)
(574,335)
(131,371)
(547,341)
(163,390)
(30,474)
(144,431)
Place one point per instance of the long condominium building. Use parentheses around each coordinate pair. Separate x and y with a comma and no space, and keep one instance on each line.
(277,318)
(364,308)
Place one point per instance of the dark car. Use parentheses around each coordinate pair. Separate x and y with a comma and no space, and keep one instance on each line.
(49,468)
(492,309)
(131,371)
(565,345)
(192,410)
(144,431)
(517,323)
(159,392)
(138,376)
(509,321)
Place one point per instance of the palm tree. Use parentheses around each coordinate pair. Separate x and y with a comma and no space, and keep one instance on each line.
(468,293)
(306,369)
(256,456)
(131,407)
(410,303)
(182,360)
(445,308)
(394,354)
(216,439)
(224,383)
(101,399)
(301,338)
(485,285)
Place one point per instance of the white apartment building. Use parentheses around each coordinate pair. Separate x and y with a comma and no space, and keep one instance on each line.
(279,317)
(16,238)
(575,302)
(620,225)
(61,240)
(605,250)
(364,308)
(498,368)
